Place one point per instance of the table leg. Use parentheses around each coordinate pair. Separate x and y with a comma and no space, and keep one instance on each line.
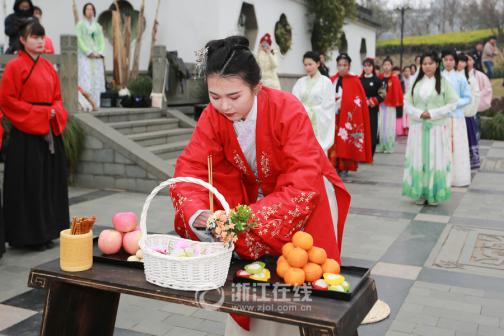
(78,311)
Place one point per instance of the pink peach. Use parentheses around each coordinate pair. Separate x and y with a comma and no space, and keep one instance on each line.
(110,241)
(130,241)
(125,221)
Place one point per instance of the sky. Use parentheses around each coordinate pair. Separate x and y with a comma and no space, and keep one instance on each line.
(412,3)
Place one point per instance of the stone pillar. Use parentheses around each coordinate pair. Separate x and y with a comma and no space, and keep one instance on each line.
(159,65)
(68,73)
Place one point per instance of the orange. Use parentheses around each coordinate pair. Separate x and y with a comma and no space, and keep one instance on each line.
(312,271)
(303,240)
(317,255)
(294,276)
(287,248)
(331,266)
(281,268)
(297,257)
(281,260)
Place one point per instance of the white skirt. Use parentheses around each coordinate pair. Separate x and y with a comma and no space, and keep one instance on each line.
(260,327)
(386,129)
(91,76)
(461,172)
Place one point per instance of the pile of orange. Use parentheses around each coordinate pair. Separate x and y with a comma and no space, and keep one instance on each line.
(301,261)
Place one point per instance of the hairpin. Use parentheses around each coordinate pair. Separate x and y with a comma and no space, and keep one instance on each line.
(201,62)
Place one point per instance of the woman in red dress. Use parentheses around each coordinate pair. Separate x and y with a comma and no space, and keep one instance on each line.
(352,143)
(265,155)
(35,177)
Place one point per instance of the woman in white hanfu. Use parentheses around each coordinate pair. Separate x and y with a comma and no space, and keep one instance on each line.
(91,44)
(430,103)
(318,96)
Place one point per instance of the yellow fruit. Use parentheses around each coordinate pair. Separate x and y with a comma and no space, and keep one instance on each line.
(334,279)
(282,268)
(331,266)
(303,240)
(297,257)
(317,255)
(281,259)
(294,276)
(287,248)
(312,272)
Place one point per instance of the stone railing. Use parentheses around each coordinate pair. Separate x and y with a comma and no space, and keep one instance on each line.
(66,63)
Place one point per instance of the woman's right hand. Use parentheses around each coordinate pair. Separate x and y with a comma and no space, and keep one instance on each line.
(201,220)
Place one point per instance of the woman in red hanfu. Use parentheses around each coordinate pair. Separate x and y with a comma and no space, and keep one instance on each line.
(352,143)
(265,155)
(35,177)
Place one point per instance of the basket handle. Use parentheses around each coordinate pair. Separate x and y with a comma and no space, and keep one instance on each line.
(148,200)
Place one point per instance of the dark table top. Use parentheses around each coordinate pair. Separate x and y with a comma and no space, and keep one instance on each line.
(298,309)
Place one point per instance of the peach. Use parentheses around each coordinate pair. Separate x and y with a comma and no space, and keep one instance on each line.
(125,221)
(110,241)
(131,240)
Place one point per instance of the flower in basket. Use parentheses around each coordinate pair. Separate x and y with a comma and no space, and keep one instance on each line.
(241,219)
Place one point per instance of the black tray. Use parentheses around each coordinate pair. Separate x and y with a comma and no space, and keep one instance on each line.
(120,258)
(354,275)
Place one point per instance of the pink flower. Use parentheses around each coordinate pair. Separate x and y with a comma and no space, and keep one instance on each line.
(348,126)
(343,134)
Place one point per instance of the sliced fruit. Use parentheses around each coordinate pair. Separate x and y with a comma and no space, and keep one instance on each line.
(243,274)
(346,286)
(263,276)
(320,284)
(334,279)
(337,288)
(255,268)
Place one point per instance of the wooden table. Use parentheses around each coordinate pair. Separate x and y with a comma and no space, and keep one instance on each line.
(85,303)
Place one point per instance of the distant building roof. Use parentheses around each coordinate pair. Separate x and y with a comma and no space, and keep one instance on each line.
(365,15)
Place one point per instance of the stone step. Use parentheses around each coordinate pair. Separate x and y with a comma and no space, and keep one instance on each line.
(171,165)
(162,137)
(144,126)
(168,151)
(119,114)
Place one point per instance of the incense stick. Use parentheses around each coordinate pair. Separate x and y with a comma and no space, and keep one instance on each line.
(210,181)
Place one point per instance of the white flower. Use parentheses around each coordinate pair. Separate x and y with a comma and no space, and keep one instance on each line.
(348,126)
(357,101)
(124,92)
(343,134)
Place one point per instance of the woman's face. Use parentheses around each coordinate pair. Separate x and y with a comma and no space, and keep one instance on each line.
(343,67)
(231,96)
(407,72)
(387,67)
(89,12)
(33,44)
(368,69)
(461,65)
(24,6)
(449,62)
(310,66)
(429,66)
(470,63)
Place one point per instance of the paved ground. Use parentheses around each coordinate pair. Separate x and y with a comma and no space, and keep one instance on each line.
(440,269)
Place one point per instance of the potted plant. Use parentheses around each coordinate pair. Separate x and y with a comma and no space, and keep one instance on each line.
(140,90)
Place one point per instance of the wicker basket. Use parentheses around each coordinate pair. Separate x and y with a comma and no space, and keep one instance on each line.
(197,273)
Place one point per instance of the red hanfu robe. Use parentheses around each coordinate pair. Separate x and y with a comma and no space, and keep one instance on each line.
(290,166)
(352,143)
(394,96)
(24,99)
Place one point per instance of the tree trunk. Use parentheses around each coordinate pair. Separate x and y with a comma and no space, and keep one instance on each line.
(75,12)
(116,42)
(126,51)
(154,31)
(138,42)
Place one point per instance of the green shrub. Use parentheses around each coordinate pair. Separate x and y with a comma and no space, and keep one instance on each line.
(73,141)
(493,128)
(142,86)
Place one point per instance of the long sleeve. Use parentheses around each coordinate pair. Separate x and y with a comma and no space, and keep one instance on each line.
(297,89)
(486,91)
(24,116)
(81,39)
(326,116)
(273,61)
(451,102)
(471,109)
(465,93)
(60,120)
(100,40)
(409,106)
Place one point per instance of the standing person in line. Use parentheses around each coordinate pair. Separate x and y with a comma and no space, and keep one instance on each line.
(324,70)
(400,131)
(485,88)
(470,111)
(35,179)
(91,43)
(377,70)
(414,73)
(318,97)
(352,141)
(489,52)
(267,59)
(477,55)
(430,102)
(394,97)
(461,168)
(48,42)
(407,80)
(417,67)
(374,96)
(23,10)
